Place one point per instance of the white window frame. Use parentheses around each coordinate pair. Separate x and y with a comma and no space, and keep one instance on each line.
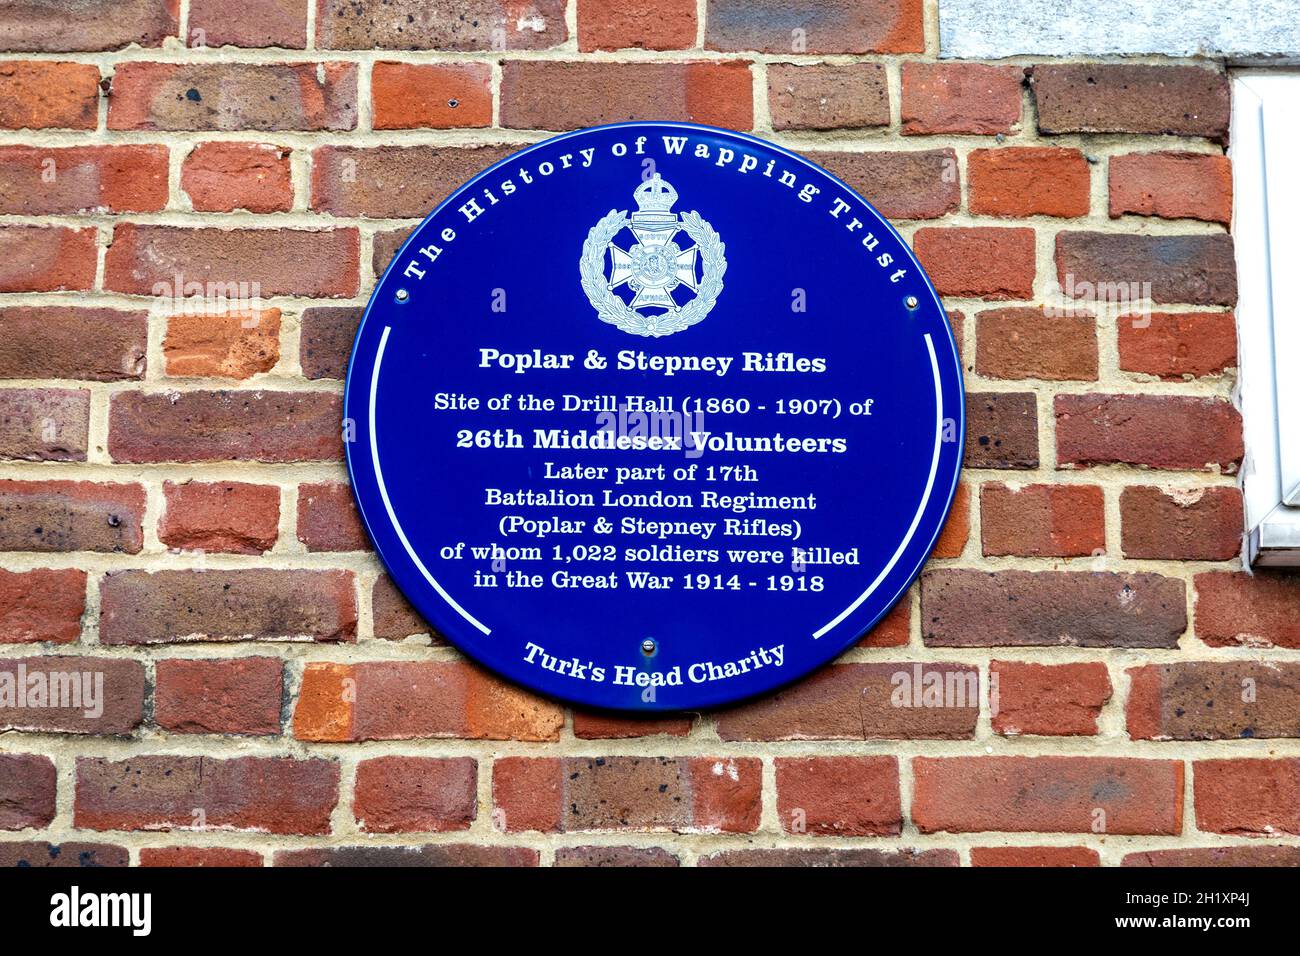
(1265,151)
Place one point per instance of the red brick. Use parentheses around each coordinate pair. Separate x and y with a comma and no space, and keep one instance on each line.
(605,726)
(553,95)
(328,519)
(95,24)
(46,258)
(678,794)
(1247,797)
(27,788)
(1038,521)
(1047,795)
(248,23)
(576,856)
(828,96)
(614,25)
(978,262)
(1158,431)
(1028,181)
(166,792)
(1129,269)
(1130,98)
(99,345)
(431,95)
(403,700)
(386,243)
(1034,856)
(394,182)
(1217,856)
(56,516)
(894,629)
(956,530)
(1033,343)
(221,425)
(41,94)
(815,26)
(839,796)
(416,794)
(862,702)
(1193,524)
(325,340)
(220,516)
(1214,700)
(394,618)
(440,25)
(1178,345)
(1001,430)
(187,856)
(320,263)
(48,181)
(1249,610)
(223,177)
(827,857)
(235,345)
(41,605)
(227,696)
(1049,700)
(105,695)
(35,853)
(234,96)
(431,854)
(139,607)
(44,424)
(902,184)
(1172,186)
(969,608)
(960,98)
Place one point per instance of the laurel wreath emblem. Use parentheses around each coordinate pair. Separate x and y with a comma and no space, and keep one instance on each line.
(610,308)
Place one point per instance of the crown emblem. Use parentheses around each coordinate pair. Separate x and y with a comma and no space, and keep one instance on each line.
(668,288)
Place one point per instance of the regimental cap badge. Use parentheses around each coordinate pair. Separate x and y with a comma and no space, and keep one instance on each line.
(654,287)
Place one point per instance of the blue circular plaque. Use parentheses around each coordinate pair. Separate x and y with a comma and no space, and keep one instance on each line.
(654,416)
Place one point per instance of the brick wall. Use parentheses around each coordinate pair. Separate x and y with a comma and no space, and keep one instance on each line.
(174,514)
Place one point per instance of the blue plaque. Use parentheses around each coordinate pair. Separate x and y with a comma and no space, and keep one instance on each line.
(654,416)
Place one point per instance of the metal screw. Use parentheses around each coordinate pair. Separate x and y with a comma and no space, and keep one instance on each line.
(648,646)
(402,295)
(911,302)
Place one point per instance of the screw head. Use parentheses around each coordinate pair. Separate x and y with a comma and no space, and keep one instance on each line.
(911,302)
(648,646)
(402,295)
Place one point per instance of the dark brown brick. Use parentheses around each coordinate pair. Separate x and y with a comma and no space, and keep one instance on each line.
(394,182)
(99,345)
(852,857)
(93,25)
(827,96)
(572,856)
(326,340)
(966,608)
(1189,524)
(861,702)
(815,26)
(440,25)
(27,789)
(1131,98)
(1214,700)
(258,794)
(104,695)
(138,607)
(1001,430)
(57,516)
(903,184)
(1126,269)
(218,426)
(439,854)
(37,853)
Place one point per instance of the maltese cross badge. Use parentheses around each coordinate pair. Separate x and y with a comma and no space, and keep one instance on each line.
(654,287)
